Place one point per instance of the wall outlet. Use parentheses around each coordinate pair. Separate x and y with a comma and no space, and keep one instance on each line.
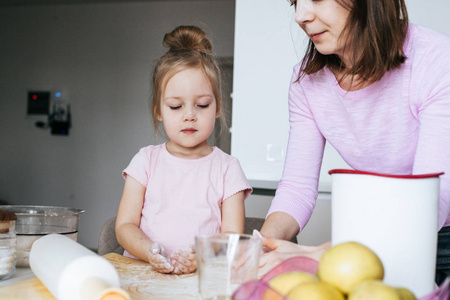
(274,152)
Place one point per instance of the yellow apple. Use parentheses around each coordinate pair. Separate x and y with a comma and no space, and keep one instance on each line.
(405,294)
(315,291)
(348,264)
(373,290)
(270,294)
(283,283)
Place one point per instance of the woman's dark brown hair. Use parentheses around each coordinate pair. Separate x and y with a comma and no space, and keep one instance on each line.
(377,29)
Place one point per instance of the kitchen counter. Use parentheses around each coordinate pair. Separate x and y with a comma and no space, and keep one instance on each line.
(136,277)
(20,274)
(324,187)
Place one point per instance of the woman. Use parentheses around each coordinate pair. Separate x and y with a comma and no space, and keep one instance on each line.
(376,88)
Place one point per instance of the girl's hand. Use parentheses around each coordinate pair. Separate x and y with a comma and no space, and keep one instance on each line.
(184,261)
(157,258)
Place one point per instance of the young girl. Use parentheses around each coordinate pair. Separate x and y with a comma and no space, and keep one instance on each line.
(184,187)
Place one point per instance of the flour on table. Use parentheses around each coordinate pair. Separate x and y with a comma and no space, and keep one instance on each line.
(142,282)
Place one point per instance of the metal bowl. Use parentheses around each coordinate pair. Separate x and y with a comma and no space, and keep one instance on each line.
(35,221)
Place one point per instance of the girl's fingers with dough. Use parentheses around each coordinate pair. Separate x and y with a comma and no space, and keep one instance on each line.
(158,259)
(184,261)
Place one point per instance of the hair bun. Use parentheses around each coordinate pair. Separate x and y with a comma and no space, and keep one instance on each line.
(188,38)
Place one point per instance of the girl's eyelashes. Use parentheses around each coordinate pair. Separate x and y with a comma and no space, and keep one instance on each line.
(294,3)
(179,106)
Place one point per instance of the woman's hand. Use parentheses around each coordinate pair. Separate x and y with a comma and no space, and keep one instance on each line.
(275,251)
(157,258)
(184,261)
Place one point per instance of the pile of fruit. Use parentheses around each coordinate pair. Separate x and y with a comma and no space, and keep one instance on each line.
(346,271)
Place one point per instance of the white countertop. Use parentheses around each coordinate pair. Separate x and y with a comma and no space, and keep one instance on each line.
(20,274)
(324,187)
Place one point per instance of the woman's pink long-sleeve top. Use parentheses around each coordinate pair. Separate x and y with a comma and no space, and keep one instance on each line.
(398,125)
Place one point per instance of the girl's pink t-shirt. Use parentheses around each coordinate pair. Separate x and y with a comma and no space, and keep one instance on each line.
(184,197)
(398,125)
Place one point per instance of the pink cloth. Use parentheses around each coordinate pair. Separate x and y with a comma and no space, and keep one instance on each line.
(398,125)
(183,197)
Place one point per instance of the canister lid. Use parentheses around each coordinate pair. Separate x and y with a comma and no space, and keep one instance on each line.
(413,176)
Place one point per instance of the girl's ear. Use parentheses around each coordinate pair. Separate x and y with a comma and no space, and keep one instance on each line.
(218,107)
(218,111)
(157,114)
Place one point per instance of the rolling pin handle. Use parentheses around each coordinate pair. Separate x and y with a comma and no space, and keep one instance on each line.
(94,288)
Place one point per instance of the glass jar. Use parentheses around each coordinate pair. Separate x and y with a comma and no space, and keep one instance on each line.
(7,249)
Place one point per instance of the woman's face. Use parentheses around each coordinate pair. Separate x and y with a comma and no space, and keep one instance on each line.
(323,21)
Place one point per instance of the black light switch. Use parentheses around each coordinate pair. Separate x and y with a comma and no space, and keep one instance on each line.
(38,103)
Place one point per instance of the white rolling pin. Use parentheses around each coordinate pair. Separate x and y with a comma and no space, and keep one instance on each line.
(72,272)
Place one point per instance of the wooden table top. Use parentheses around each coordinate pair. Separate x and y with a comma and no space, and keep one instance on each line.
(136,277)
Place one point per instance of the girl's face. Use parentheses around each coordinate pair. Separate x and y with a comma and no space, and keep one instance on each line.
(188,113)
(323,21)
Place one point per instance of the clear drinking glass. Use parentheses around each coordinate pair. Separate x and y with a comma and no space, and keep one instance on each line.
(225,261)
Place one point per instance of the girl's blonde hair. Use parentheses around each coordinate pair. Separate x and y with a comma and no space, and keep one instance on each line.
(189,48)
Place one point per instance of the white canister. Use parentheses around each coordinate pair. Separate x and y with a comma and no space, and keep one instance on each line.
(395,216)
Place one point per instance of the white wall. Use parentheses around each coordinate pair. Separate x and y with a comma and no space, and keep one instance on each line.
(101,55)
(268,43)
